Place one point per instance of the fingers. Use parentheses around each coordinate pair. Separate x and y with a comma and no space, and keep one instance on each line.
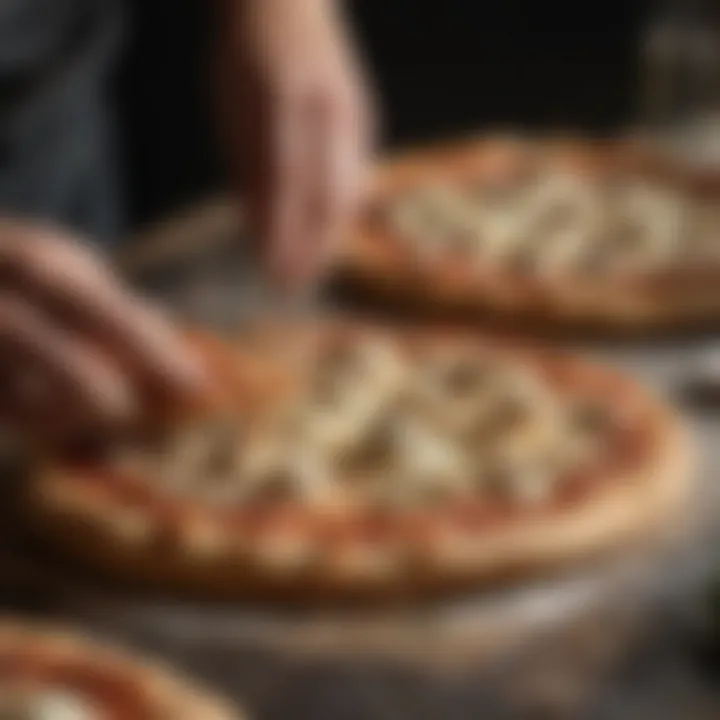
(52,382)
(74,289)
(295,113)
(281,187)
(336,169)
(314,163)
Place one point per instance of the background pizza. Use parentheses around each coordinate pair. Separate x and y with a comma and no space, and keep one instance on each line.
(595,234)
(49,675)
(373,466)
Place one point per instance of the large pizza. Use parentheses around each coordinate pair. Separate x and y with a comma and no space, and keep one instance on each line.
(50,675)
(370,465)
(599,235)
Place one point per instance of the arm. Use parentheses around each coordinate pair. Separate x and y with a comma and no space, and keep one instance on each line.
(296,119)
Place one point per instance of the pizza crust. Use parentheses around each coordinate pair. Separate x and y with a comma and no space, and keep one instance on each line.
(202,563)
(139,689)
(379,267)
(192,552)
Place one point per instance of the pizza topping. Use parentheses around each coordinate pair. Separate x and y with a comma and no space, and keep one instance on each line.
(590,416)
(430,214)
(456,374)
(379,424)
(703,241)
(44,704)
(518,485)
(375,449)
(453,386)
(276,471)
(276,483)
(553,222)
(428,460)
(342,370)
(657,209)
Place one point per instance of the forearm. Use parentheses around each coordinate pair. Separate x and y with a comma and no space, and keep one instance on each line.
(293,108)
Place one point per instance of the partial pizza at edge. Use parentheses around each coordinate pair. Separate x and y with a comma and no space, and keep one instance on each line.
(46,673)
(579,234)
(503,479)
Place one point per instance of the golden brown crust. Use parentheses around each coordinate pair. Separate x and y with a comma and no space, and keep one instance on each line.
(152,542)
(120,686)
(378,266)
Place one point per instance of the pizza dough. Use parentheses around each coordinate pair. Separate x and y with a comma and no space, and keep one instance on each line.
(383,466)
(597,235)
(49,675)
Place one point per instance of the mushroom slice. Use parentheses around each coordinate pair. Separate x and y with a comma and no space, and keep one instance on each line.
(650,225)
(202,458)
(352,391)
(520,417)
(431,466)
(454,387)
(562,218)
(521,485)
(278,472)
(428,216)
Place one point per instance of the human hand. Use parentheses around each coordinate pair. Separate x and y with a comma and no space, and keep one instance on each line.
(296,115)
(77,350)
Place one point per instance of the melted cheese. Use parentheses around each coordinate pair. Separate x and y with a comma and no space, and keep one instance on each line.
(45,705)
(554,224)
(397,431)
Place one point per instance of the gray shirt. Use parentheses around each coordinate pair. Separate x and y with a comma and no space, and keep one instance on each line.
(55,149)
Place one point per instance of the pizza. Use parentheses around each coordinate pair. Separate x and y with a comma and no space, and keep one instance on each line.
(373,465)
(605,235)
(46,674)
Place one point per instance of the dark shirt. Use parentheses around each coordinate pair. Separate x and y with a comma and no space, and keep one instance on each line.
(55,154)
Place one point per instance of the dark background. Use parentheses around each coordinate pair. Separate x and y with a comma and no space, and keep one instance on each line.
(440,68)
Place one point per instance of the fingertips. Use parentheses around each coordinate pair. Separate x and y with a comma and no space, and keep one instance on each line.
(162,360)
(52,384)
(332,189)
